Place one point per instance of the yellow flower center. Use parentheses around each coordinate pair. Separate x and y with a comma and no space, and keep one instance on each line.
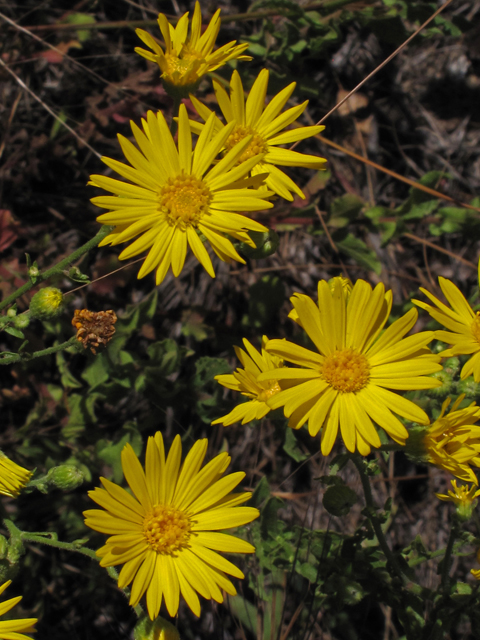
(184,200)
(476,327)
(256,146)
(273,389)
(166,529)
(346,371)
(182,68)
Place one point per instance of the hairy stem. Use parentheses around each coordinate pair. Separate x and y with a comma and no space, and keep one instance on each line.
(58,268)
(23,357)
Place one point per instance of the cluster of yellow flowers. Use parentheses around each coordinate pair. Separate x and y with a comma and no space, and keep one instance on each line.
(168,530)
(181,195)
(351,381)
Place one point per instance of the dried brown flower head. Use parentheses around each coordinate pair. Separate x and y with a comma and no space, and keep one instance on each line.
(94,328)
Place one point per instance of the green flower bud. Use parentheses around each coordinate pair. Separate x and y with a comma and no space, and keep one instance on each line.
(159,629)
(445,389)
(3,547)
(266,243)
(22,321)
(47,303)
(66,477)
(469,387)
(12,312)
(34,271)
(451,366)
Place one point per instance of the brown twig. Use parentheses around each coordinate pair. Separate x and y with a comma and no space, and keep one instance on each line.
(441,249)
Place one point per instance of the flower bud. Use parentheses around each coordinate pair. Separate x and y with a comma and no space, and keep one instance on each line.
(266,244)
(47,303)
(66,477)
(159,629)
(469,387)
(22,321)
(415,447)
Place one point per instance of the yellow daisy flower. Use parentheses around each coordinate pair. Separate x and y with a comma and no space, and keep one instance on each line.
(187,58)
(245,381)
(177,195)
(13,477)
(452,442)
(475,573)
(265,125)
(12,629)
(460,495)
(347,384)
(166,534)
(463,322)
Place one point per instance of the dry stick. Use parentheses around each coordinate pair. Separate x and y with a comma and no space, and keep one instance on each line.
(47,108)
(53,48)
(386,61)
(441,249)
(331,6)
(397,176)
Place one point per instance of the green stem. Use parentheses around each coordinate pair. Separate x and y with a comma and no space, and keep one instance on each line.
(23,357)
(447,560)
(58,268)
(50,538)
(177,101)
(377,527)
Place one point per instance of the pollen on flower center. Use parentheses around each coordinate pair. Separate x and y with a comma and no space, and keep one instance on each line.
(184,200)
(346,371)
(476,327)
(274,388)
(256,146)
(166,529)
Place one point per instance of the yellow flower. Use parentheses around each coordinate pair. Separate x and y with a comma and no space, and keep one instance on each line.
(11,629)
(166,534)
(176,196)
(13,477)
(346,384)
(186,59)
(452,442)
(463,322)
(245,381)
(475,573)
(252,118)
(463,497)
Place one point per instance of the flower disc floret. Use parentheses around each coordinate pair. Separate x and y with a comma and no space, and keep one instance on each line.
(349,383)
(266,125)
(166,533)
(175,195)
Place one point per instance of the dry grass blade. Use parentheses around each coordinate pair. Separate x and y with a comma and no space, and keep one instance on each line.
(386,61)
(20,82)
(395,175)
(432,245)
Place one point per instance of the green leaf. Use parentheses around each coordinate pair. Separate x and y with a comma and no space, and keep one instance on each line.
(261,493)
(269,518)
(110,452)
(345,209)
(97,371)
(79,19)
(292,448)
(14,332)
(358,250)
(339,499)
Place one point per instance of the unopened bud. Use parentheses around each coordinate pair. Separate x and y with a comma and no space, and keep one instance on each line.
(47,303)
(22,321)
(66,477)
(159,629)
